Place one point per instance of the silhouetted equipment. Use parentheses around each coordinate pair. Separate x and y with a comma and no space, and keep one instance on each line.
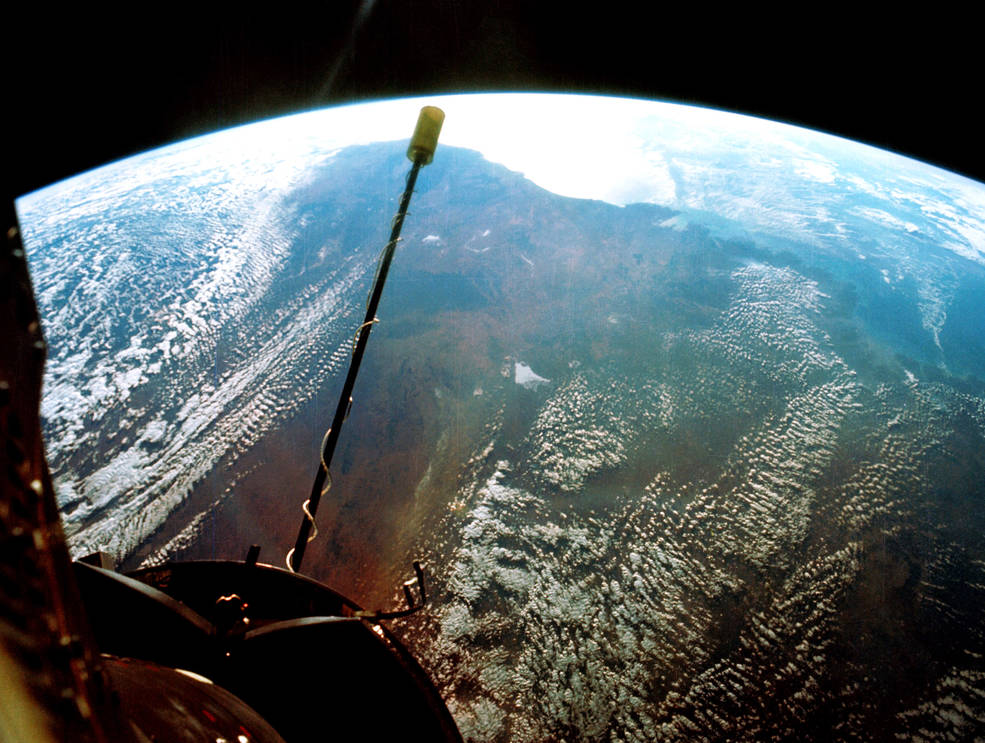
(49,667)
(288,647)
(195,651)
(420,152)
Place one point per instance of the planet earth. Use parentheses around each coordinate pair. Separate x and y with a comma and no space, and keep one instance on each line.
(682,411)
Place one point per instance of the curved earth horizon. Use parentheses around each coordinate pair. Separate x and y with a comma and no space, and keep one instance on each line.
(683,411)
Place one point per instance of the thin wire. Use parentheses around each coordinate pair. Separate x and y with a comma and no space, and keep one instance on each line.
(379,261)
(304,506)
(324,440)
(314,526)
(359,331)
(385,256)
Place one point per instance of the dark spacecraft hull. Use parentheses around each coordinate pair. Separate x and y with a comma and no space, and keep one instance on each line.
(288,646)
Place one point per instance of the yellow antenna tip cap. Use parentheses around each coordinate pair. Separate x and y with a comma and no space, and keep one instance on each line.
(425,139)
